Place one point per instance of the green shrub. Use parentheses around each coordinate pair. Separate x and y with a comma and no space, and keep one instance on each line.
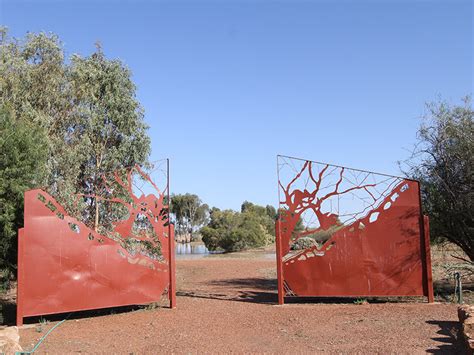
(304,243)
(22,160)
(233,231)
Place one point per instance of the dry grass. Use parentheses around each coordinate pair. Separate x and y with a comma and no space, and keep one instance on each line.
(445,261)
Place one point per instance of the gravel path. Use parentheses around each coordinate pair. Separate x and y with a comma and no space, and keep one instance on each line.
(226,305)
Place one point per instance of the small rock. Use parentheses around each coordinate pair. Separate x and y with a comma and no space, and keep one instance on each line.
(466,317)
(9,340)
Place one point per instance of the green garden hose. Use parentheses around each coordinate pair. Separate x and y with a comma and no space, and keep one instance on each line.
(42,338)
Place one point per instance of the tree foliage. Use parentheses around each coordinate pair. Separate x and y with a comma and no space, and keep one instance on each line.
(22,166)
(189,212)
(443,161)
(232,231)
(112,130)
(83,110)
(266,215)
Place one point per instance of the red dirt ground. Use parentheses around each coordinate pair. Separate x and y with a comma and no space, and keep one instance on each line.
(226,305)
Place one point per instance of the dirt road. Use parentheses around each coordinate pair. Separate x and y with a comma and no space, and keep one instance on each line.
(226,304)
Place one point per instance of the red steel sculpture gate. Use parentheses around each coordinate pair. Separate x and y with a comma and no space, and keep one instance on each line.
(349,233)
(65,266)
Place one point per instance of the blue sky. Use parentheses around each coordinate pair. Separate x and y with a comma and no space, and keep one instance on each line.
(227,85)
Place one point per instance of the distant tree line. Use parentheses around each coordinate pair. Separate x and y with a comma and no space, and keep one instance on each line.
(253,226)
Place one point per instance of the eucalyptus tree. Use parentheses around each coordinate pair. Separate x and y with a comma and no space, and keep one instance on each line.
(190,213)
(110,120)
(82,114)
(35,106)
(34,85)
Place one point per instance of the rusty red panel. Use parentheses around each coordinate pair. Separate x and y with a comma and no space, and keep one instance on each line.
(349,233)
(65,266)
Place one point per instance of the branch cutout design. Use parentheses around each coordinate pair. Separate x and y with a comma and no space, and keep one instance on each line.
(317,200)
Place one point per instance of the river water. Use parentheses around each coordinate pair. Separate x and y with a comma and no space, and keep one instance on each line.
(192,250)
(197,250)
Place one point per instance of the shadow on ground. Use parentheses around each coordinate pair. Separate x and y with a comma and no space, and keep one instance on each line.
(254,289)
(258,283)
(264,291)
(450,338)
(8,313)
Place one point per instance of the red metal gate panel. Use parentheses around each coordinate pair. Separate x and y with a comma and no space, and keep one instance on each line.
(347,232)
(64,266)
